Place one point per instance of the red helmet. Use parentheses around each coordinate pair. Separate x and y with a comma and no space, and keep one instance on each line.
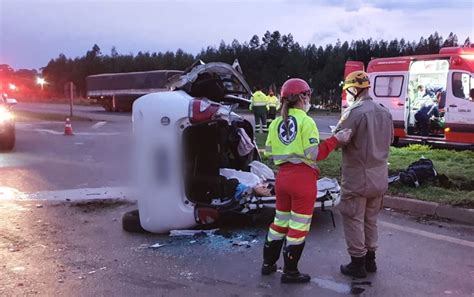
(294,86)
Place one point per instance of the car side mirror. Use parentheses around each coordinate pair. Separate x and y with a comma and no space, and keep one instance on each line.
(11,101)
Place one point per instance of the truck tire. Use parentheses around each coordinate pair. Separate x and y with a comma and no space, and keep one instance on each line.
(8,143)
(131,222)
(106,104)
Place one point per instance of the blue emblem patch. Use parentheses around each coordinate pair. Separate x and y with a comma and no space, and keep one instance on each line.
(285,136)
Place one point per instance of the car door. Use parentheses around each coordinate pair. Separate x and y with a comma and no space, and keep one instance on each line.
(459,107)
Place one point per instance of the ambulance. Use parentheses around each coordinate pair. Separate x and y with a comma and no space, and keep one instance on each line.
(406,84)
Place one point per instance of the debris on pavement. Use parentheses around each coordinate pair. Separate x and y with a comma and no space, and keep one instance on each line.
(215,241)
(187,274)
(241,243)
(192,232)
(142,246)
(156,245)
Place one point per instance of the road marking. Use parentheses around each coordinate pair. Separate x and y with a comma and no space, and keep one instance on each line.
(53,132)
(98,125)
(332,285)
(49,131)
(429,234)
(82,194)
(29,126)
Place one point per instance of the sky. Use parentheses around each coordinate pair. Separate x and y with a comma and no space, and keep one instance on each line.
(32,32)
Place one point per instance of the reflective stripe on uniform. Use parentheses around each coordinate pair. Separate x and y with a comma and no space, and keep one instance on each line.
(259,104)
(300,222)
(311,152)
(294,241)
(282,218)
(268,149)
(294,159)
(286,157)
(274,235)
(301,218)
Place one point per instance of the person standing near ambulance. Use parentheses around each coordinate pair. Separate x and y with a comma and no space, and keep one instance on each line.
(364,173)
(259,107)
(293,144)
(273,105)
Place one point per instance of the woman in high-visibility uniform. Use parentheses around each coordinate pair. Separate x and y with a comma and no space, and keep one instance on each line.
(293,144)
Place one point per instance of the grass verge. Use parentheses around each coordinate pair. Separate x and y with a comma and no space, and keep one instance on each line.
(458,166)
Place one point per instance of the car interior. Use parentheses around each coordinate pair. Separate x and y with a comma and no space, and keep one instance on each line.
(211,144)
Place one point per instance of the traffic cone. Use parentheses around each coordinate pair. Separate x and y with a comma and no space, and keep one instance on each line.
(68,127)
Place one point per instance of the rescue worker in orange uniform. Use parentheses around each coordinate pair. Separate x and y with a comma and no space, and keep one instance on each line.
(293,144)
(364,173)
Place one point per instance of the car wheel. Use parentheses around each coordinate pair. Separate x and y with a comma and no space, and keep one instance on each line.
(131,222)
(9,142)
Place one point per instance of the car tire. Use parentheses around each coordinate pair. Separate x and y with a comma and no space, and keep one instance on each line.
(9,142)
(131,222)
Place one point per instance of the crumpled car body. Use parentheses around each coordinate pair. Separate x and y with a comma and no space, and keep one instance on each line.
(182,141)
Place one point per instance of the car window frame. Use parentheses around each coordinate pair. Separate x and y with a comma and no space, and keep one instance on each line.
(385,76)
(470,86)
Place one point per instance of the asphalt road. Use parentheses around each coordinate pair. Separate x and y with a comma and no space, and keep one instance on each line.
(97,113)
(46,160)
(79,249)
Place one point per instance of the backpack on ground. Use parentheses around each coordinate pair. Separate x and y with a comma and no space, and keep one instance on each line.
(419,172)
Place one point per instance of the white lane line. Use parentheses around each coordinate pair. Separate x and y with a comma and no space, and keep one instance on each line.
(429,234)
(98,125)
(81,194)
(30,126)
(48,131)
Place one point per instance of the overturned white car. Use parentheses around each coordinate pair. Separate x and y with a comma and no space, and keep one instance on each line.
(196,158)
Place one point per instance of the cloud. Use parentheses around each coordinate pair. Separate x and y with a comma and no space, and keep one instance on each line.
(33,32)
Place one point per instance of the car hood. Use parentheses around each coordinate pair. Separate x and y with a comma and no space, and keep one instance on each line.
(236,88)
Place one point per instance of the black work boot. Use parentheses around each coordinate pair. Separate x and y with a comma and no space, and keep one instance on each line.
(271,254)
(370,264)
(356,268)
(291,274)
